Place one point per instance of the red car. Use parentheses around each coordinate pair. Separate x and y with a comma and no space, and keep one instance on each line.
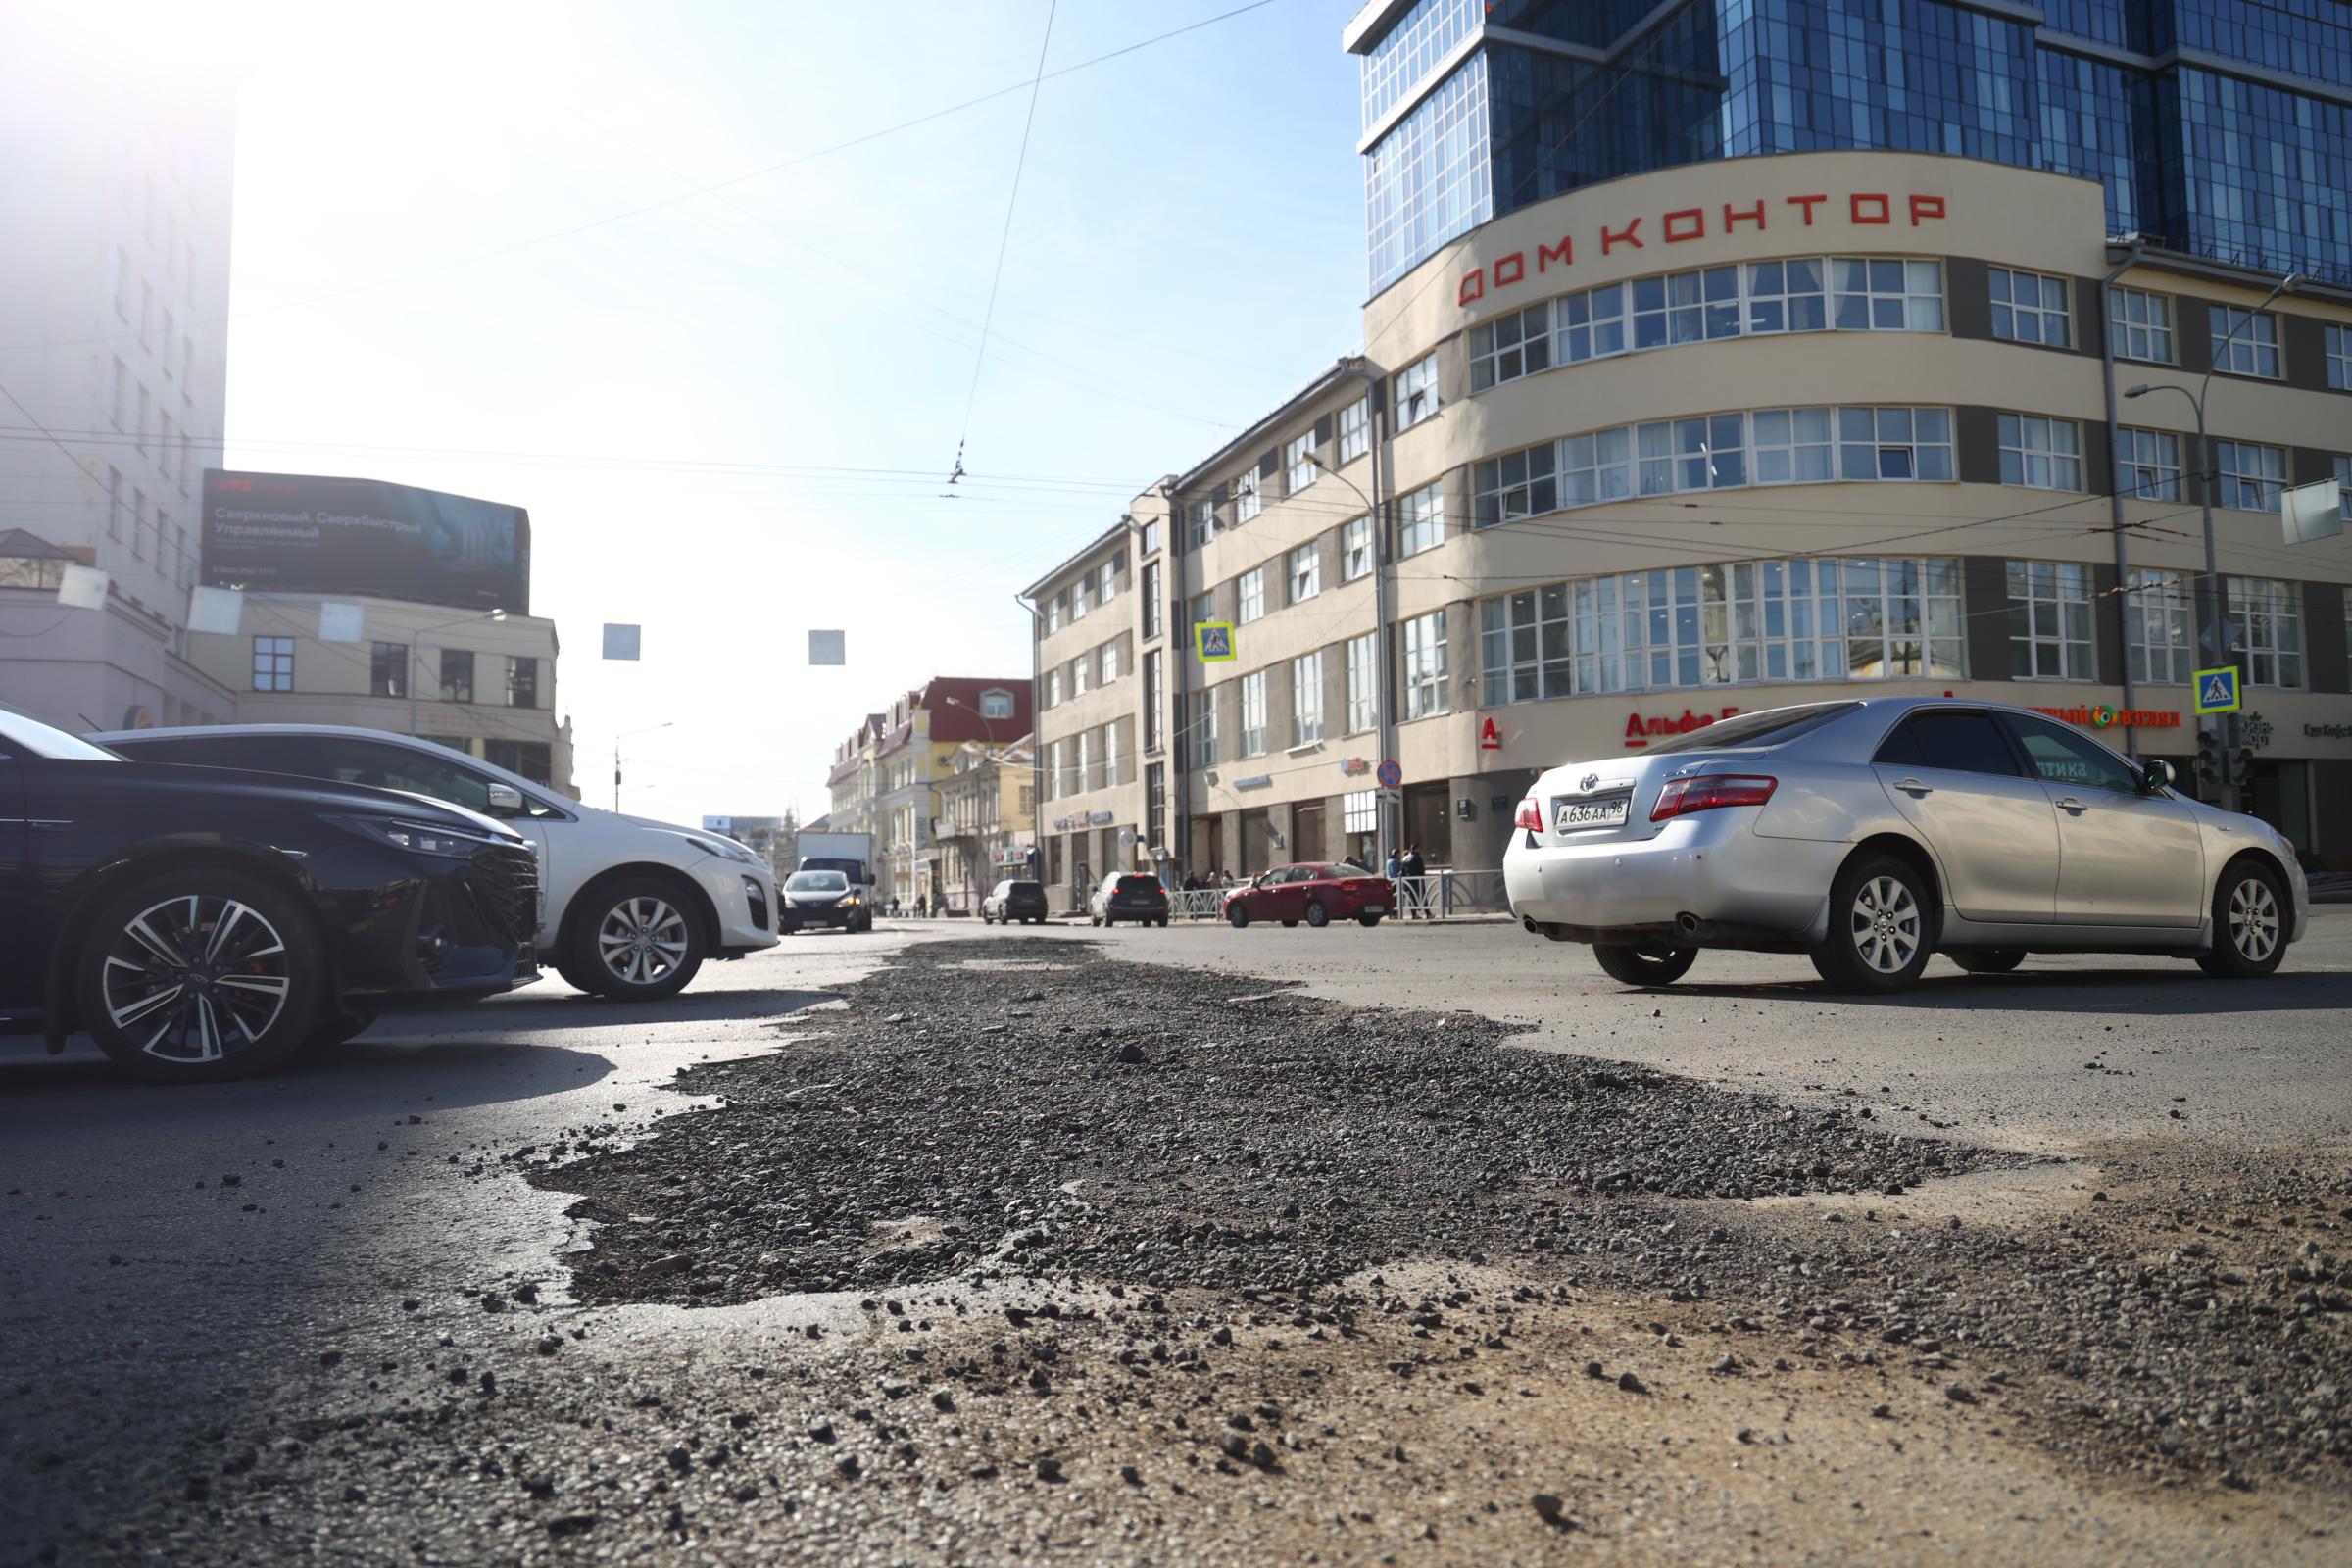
(1314,893)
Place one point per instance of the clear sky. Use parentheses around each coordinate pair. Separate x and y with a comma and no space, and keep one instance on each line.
(731,417)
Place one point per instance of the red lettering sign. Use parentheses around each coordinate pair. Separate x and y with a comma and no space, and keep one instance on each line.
(1514,266)
(1926,207)
(1694,224)
(1808,202)
(1625,236)
(1885,209)
(1490,736)
(1733,215)
(1564,252)
(1639,730)
(1474,286)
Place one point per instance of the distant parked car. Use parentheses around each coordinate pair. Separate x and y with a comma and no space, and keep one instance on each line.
(1128,895)
(825,898)
(1872,834)
(204,924)
(1011,901)
(632,908)
(1310,891)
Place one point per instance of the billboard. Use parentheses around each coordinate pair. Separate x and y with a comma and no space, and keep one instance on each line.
(310,533)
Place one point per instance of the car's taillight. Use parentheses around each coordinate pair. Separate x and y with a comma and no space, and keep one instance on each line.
(1530,815)
(1683,796)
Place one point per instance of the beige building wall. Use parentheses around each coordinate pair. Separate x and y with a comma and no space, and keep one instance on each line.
(1465,766)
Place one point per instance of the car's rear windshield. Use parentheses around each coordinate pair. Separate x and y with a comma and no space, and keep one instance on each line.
(816,882)
(1139,884)
(1024,887)
(1770,728)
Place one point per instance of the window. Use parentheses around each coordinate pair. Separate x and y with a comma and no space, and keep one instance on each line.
(388,670)
(1082,672)
(2139,324)
(1305,571)
(1154,680)
(1596,468)
(1880,295)
(164,355)
(1712,626)
(456,675)
(114,502)
(1298,464)
(1056,612)
(1356,429)
(1081,596)
(2030,307)
(1510,347)
(533,759)
(1363,665)
(2040,454)
(1894,444)
(1205,607)
(1516,485)
(2062,756)
(1425,665)
(2250,477)
(1356,548)
(1771,446)
(523,682)
(2049,621)
(1306,698)
(1359,811)
(273,663)
(2271,618)
(1249,594)
(1416,389)
(2343,487)
(2159,625)
(381,765)
(1248,502)
(2147,463)
(119,394)
(1201,523)
(187,367)
(118,286)
(995,704)
(1112,570)
(1592,324)
(1053,687)
(1151,538)
(1155,803)
(1420,521)
(2245,343)
(1794,445)
(138,523)
(2339,358)
(1686,307)
(1964,742)
(138,432)
(1154,610)
(167,449)
(1205,732)
(1788,296)
(1109,654)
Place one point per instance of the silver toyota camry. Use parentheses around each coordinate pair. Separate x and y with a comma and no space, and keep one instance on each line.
(1872,834)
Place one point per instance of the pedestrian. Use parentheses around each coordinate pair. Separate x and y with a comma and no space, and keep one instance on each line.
(1415,869)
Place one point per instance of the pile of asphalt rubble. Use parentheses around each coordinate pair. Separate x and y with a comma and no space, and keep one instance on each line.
(977,1116)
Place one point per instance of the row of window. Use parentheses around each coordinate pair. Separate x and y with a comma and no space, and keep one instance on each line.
(1100,757)
(1307,723)
(1098,587)
(1299,466)
(1302,575)
(388,666)
(1097,668)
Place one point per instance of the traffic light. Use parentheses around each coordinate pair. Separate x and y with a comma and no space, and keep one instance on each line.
(2241,766)
(2209,761)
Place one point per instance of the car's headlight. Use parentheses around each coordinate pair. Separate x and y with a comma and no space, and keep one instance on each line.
(725,850)
(848,898)
(418,838)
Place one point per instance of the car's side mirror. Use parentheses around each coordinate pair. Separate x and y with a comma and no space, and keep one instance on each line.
(2154,775)
(504,801)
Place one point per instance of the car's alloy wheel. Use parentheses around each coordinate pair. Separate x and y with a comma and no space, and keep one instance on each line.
(644,944)
(201,974)
(1238,914)
(1881,930)
(1645,966)
(1317,916)
(2249,923)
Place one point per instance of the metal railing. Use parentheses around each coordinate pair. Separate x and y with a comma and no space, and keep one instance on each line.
(1445,894)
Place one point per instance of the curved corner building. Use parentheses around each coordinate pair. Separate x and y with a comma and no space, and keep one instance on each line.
(1729,353)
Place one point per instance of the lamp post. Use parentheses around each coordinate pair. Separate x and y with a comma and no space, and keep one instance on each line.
(617,740)
(2209,587)
(417,653)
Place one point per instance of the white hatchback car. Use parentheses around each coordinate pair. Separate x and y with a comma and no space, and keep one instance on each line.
(632,908)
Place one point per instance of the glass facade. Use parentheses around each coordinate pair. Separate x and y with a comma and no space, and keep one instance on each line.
(2192,154)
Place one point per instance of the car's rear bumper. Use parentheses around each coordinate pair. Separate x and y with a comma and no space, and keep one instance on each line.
(1708,881)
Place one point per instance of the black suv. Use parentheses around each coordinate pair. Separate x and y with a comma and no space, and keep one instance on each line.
(1129,895)
(202,924)
(1009,901)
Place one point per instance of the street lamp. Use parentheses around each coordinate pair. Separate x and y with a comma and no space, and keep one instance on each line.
(617,740)
(417,652)
(2209,588)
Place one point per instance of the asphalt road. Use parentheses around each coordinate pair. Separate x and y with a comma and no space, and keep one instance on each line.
(183,1262)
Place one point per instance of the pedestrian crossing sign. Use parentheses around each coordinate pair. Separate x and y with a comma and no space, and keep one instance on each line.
(2217,690)
(1214,641)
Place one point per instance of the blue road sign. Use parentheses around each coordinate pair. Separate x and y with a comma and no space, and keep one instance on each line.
(2217,690)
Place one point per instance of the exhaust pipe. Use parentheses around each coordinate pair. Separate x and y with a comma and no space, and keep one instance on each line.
(1528,923)
(1686,924)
